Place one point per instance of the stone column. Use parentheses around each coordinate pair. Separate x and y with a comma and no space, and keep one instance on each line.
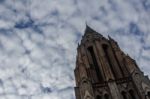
(114,90)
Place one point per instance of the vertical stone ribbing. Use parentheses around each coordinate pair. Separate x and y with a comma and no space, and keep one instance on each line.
(103,70)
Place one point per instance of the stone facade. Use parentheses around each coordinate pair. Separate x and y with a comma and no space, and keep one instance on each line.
(104,71)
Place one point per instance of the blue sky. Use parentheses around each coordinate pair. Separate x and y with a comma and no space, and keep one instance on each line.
(38,41)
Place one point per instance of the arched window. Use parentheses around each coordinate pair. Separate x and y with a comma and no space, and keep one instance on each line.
(106,52)
(148,94)
(98,97)
(132,94)
(95,63)
(106,96)
(124,95)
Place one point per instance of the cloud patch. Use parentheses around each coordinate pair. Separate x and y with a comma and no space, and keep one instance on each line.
(38,41)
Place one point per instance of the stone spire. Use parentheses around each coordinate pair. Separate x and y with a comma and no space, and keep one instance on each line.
(89,30)
(90,33)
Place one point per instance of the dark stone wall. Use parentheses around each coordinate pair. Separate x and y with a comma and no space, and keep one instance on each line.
(104,71)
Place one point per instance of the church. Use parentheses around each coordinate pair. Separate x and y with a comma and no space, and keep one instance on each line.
(104,71)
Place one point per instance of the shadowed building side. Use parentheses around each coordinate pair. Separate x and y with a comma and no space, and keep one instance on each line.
(104,71)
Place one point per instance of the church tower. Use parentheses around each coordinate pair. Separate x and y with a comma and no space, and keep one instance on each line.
(104,71)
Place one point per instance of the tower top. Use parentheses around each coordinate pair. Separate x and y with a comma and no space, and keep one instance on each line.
(104,71)
(90,34)
(90,31)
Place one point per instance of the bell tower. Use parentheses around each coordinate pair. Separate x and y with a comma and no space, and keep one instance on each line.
(104,71)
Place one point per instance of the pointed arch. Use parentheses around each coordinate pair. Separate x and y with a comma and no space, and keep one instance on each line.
(105,49)
(94,63)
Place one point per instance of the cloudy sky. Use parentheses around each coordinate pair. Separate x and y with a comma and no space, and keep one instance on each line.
(38,40)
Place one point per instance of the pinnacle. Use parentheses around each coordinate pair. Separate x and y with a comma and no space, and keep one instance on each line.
(90,31)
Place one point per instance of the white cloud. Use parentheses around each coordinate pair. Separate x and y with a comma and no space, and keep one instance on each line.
(38,41)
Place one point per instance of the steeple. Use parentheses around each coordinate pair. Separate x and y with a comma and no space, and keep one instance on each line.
(103,71)
(89,30)
(90,33)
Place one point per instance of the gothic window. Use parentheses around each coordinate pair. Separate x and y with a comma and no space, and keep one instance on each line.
(94,63)
(98,97)
(132,94)
(148,94)
(105,49)
(124,95)
(106,96)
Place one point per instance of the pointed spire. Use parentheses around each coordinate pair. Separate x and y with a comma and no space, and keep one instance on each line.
(90,33)
(89,30)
